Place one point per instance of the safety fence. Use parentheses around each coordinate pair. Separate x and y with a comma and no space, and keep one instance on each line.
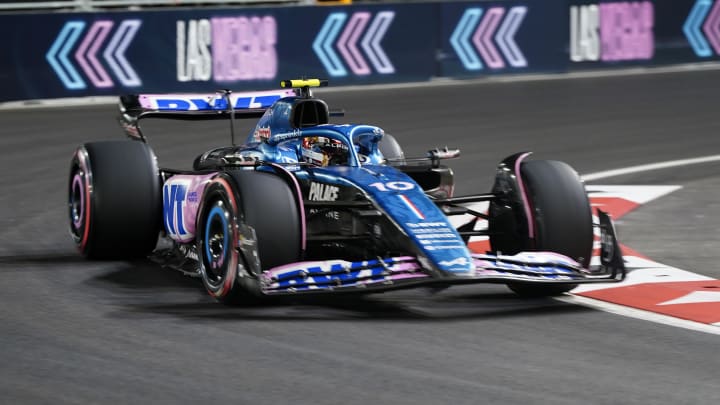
(52,55)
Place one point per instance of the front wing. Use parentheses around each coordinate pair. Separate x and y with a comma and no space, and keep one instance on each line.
(409,271)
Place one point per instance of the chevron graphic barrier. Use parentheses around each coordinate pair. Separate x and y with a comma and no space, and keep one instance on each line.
(57,55)
(86,54)
(357,39)
(486,38)
(702,28)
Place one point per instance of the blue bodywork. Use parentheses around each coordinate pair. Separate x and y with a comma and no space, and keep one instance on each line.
(412,211)
(274,139)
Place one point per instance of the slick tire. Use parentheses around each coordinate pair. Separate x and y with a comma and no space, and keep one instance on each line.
(114,200)
(562,218)
(234,203)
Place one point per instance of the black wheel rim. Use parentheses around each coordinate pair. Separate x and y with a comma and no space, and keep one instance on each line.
(215,244)
(77,204)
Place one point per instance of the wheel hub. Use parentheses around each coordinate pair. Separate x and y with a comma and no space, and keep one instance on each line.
(216,243)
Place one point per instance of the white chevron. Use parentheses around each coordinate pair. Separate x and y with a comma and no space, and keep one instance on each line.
(506,37)
(115,53)
(695,297)
(371,42)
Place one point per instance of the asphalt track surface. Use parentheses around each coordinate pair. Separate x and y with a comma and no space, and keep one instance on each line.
(74,331)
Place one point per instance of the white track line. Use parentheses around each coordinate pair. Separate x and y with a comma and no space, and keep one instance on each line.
(649,167)
(639,314)
(634,312)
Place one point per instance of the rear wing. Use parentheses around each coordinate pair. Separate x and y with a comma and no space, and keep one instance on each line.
(220,105)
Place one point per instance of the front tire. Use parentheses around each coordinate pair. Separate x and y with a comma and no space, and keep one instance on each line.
(562,218)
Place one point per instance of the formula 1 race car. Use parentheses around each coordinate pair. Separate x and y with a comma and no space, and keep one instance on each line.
(305,206)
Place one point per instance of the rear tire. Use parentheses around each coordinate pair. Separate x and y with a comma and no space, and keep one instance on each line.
(258,200)
(217,240)
(114,200)
(562,217)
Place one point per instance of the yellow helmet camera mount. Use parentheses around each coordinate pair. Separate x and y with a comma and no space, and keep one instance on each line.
(302,86)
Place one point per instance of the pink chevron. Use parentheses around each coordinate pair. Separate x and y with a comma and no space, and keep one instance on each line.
(88,62)
(347,44)
(483,37)
(712,27)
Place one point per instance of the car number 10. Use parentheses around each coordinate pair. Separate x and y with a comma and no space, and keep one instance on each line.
(393,185)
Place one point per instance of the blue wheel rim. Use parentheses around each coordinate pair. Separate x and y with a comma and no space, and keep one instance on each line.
(216,211)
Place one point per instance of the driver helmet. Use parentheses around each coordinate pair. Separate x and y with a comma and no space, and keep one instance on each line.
(323,151)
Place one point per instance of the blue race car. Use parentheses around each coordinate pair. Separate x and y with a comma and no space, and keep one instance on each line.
(305,206)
